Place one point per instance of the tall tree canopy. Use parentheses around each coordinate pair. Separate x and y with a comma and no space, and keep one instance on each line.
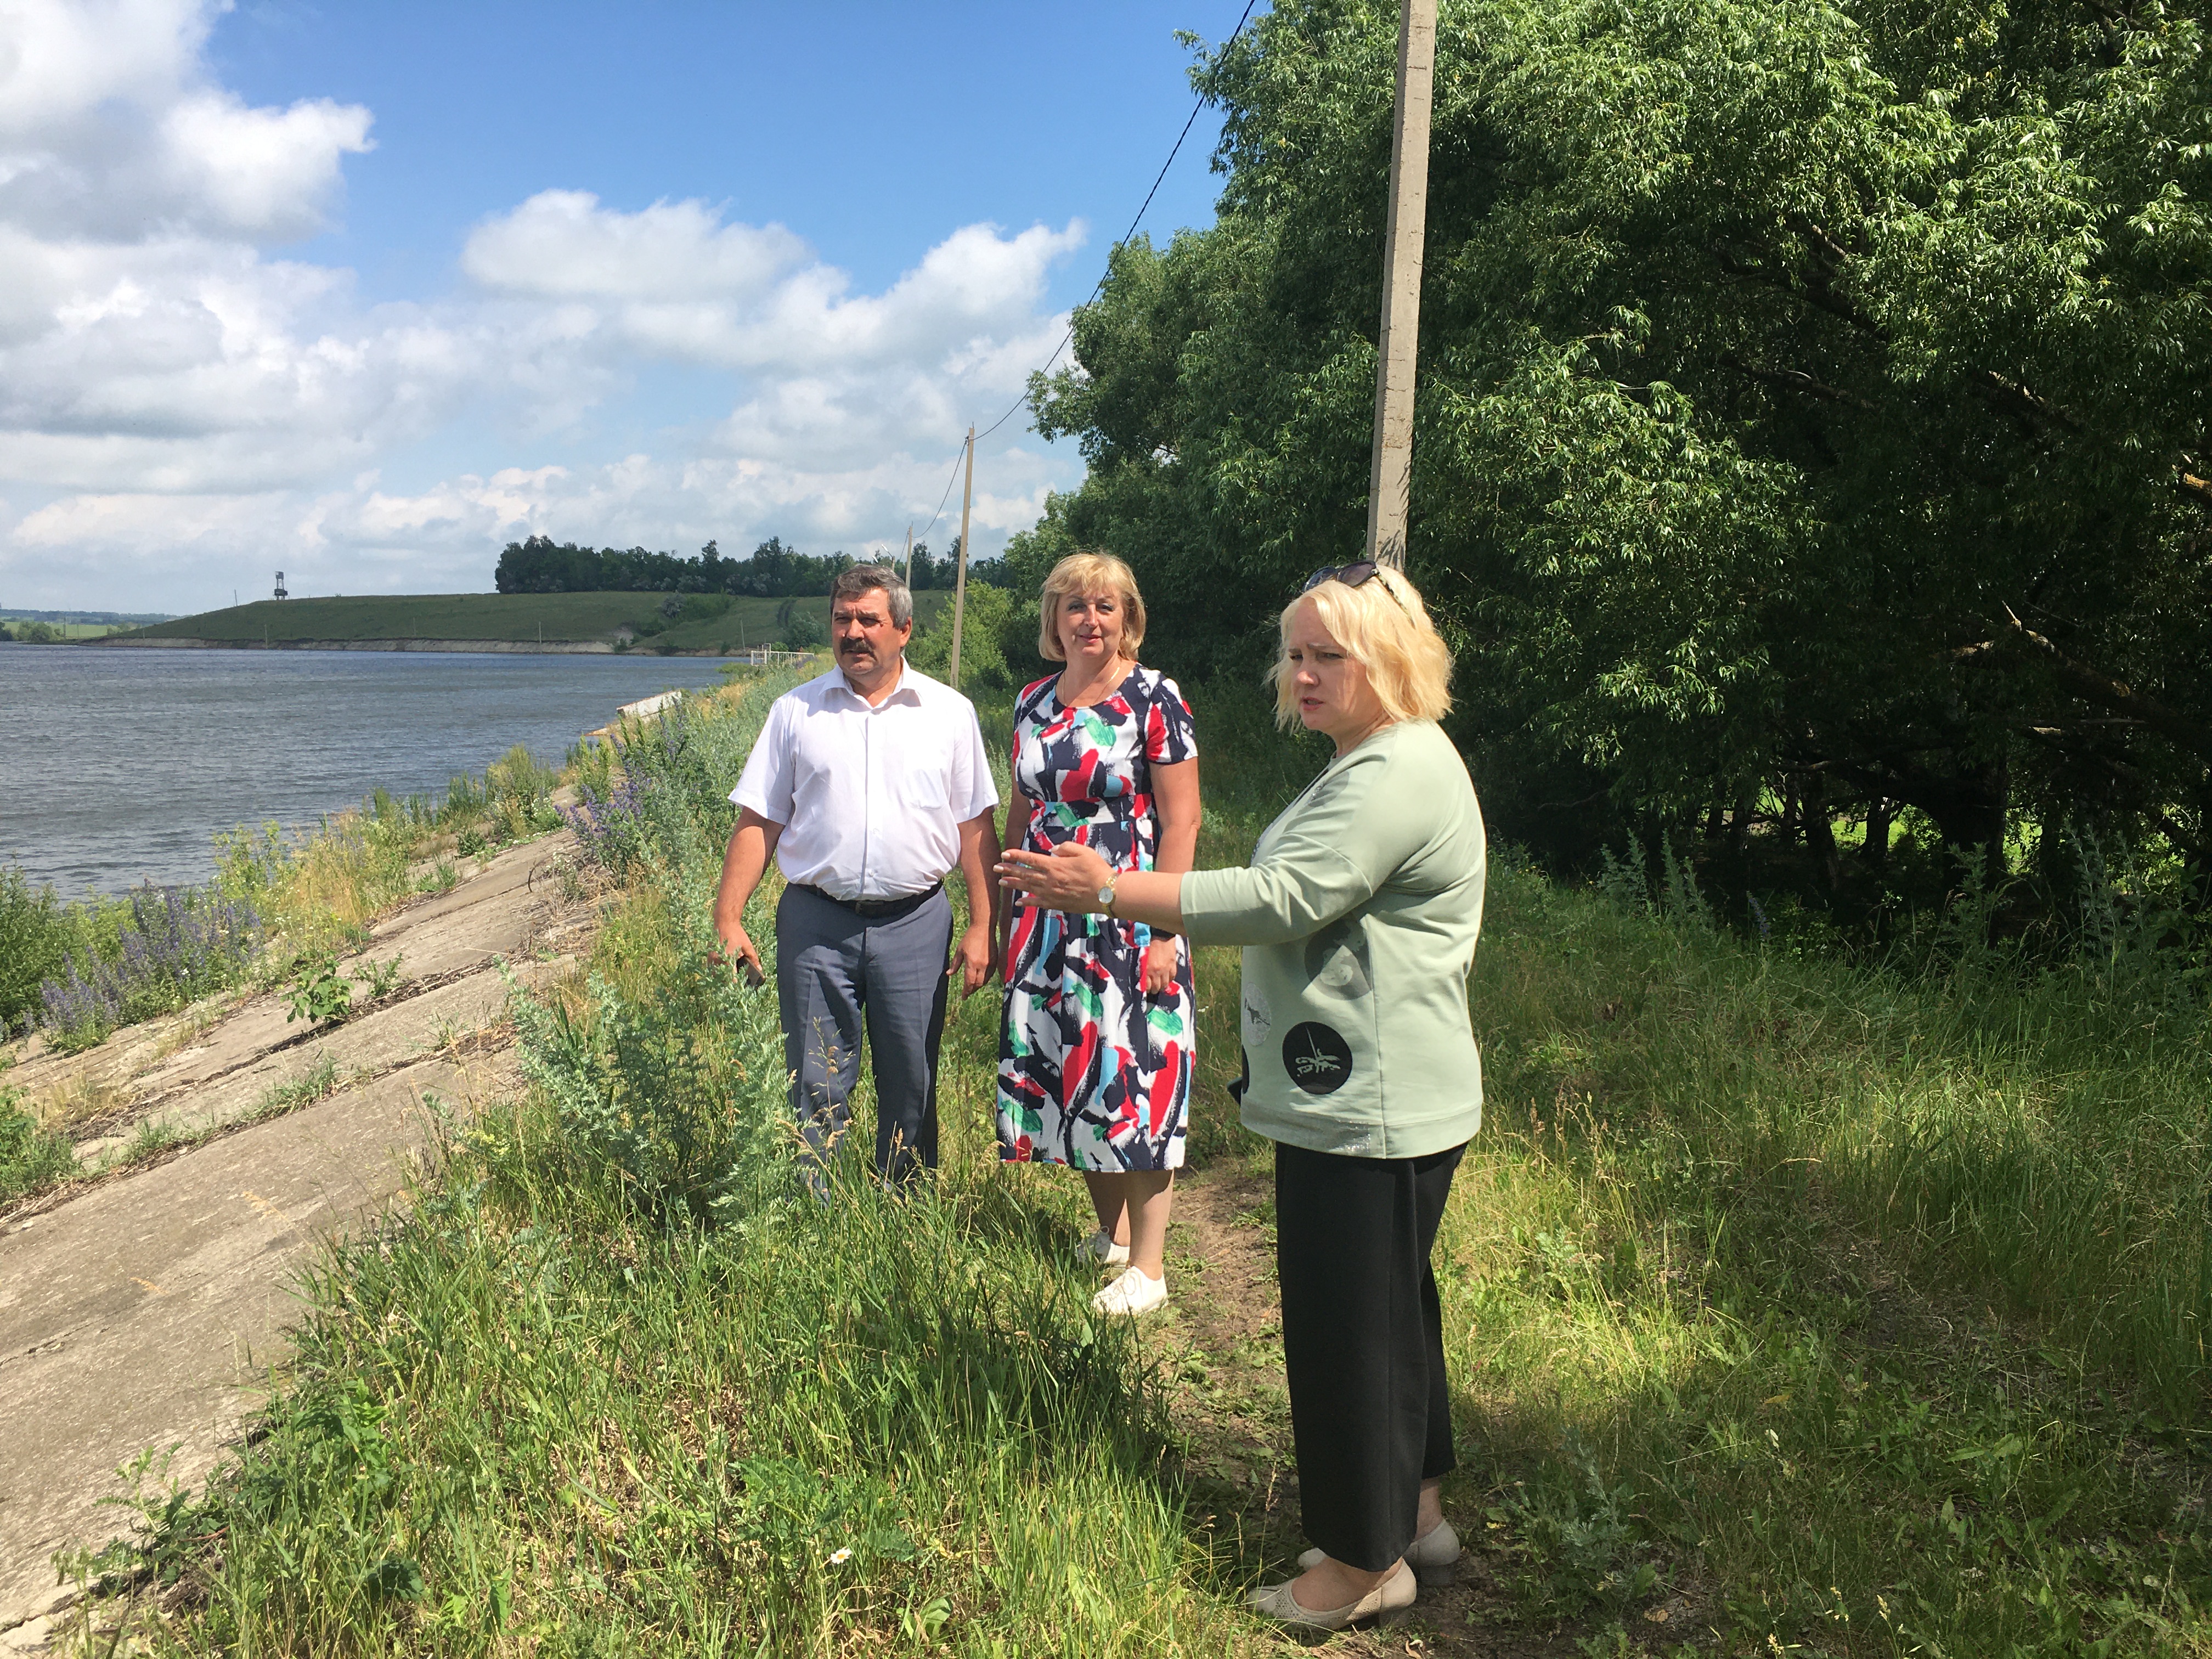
(1808,392)
(771,570)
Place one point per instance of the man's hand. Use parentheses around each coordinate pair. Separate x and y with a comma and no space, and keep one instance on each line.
(1159,971)
(737,946)
(751,845)
(972,959)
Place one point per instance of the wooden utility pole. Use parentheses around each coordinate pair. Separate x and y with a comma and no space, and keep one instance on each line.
(960,574)
(1389,483)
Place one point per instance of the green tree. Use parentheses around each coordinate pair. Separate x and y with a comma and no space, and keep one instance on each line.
(992,613)
(1813,398)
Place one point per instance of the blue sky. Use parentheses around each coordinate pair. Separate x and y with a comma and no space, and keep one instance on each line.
(366,291)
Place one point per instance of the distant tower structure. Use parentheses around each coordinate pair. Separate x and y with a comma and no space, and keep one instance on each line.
(280,586)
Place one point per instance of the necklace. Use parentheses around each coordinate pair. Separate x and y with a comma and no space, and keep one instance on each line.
(1115,672)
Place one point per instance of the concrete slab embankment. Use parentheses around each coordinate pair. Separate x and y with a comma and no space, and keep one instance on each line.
(147,1310)
(147,1314)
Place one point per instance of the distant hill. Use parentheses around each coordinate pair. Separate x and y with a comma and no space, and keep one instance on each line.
(701,622)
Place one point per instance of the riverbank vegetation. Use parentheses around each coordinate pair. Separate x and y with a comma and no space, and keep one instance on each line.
(1797,1304)
(75,971)
(1812,423)
(30,630)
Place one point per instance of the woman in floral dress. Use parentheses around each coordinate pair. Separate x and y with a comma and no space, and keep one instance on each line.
(1095,1056)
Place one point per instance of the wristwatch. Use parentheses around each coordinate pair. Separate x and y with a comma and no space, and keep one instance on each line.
(1106,893)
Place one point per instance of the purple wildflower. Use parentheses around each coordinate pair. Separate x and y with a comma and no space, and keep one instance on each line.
(179,943)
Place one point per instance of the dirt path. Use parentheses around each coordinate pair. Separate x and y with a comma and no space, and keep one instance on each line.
(144,1310)
(1224,1353)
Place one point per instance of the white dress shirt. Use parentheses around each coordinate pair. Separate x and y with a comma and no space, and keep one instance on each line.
(870,798)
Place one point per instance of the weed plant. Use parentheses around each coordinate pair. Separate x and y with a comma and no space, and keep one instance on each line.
(35,937)
(31,1156)
(156,950)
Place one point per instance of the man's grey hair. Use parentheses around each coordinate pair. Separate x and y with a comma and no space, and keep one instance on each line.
(856,579)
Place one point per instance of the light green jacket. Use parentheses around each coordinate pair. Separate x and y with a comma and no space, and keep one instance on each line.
(1358,916)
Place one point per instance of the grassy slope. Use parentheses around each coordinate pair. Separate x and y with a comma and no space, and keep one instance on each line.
(1792,1307)
(74,630)
(553,617)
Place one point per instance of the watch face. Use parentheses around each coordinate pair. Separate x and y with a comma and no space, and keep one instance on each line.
(1105,896)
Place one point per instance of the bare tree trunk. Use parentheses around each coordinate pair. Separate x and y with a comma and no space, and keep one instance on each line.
(1747,804)
(1821,832)
(1880,814)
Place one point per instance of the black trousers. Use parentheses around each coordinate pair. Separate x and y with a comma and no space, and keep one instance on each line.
(1363,1342)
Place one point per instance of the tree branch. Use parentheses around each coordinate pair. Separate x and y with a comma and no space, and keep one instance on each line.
(1793,380)
(2193,735)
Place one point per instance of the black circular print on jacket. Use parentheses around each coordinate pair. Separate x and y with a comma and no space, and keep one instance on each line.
(1317,1059)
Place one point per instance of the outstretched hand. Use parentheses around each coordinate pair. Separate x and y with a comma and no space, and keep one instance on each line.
(1069,879)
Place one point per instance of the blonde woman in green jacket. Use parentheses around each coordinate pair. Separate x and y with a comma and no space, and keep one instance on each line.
(1358,915)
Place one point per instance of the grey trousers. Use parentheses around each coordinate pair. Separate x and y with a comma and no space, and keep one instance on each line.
(832,969)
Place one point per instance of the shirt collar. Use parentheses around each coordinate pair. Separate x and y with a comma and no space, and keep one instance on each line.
(905,691)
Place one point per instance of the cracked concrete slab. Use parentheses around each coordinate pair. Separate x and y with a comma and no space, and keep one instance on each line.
(149,1309)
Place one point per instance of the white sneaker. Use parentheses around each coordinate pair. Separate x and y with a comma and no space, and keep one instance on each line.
(1103,1250)
(1135,1292)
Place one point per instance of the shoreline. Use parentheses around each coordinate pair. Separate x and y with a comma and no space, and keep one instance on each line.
(497,648)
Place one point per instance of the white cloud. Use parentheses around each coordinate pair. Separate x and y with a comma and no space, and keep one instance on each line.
(60,59)
(561,242)
(260,171)
(176,395)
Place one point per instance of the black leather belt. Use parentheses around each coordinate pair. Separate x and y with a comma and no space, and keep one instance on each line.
(878,910)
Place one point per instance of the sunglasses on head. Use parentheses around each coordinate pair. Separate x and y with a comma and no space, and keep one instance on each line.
(1352,576)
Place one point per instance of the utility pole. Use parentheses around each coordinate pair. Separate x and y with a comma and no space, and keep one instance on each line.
(907,578)
(1389,482)
(960,574)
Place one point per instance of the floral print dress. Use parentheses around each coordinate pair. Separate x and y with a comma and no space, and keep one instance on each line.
(1092,1073)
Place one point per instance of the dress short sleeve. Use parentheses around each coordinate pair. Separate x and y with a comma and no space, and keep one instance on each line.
(1170,734)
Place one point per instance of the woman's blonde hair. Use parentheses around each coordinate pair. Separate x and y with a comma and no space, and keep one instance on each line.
(1383,626)
(1088,572)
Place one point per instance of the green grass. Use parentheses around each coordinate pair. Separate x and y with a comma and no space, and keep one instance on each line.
(1795,1306)
(554,618)
(32,1158)
(30,631)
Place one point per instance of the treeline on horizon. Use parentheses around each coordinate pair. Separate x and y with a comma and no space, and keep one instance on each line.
(1814,425)
(770,571)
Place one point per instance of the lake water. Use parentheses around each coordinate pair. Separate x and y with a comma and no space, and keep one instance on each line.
(119,766)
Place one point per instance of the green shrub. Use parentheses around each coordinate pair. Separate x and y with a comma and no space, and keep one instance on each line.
(30,1158)
(984,630)
(36,934)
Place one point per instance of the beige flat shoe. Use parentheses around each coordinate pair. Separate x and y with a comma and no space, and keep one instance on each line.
(1394,1594)
(1432,1556)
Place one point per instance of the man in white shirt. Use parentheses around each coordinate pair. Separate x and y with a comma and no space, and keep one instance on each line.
(868,785)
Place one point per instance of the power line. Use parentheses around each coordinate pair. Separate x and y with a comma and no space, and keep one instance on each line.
(1065,339)
(1157,180)
(947,496)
